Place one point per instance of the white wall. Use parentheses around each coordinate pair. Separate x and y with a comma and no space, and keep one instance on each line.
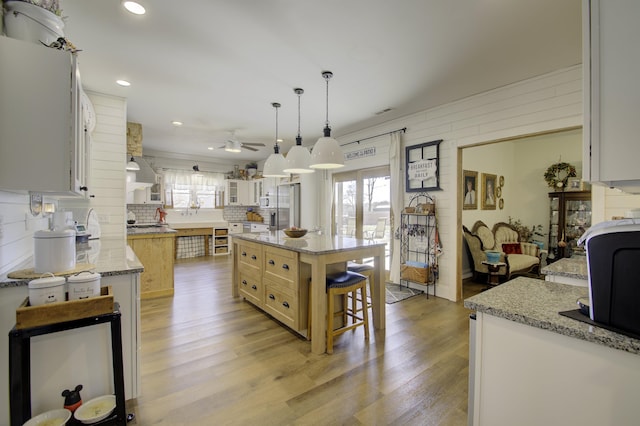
(546,103)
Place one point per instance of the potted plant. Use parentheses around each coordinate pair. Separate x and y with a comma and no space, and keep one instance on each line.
(526,234)
(37,21)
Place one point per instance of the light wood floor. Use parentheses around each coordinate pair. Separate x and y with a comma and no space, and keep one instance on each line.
(209,359)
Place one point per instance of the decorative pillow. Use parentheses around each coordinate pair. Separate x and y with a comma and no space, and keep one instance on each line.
(512,248)
(486,236)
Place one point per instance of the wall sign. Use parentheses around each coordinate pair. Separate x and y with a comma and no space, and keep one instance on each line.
(361,153)
(422,167)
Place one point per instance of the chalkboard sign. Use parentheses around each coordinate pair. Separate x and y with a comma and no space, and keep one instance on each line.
(422,167)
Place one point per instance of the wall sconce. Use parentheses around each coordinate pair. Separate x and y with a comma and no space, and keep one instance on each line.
(35,203)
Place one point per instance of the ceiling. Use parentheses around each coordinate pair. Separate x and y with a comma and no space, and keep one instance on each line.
(217,65)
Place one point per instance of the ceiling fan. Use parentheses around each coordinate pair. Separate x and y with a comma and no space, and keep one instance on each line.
(234,145)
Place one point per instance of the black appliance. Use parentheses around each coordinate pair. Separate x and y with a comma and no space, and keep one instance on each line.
(613,257)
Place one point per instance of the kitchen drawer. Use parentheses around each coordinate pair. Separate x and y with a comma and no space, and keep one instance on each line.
(282,304)
(220,241)
(250,257)
(281,266)
(222,249)
(251,288)
(220,231)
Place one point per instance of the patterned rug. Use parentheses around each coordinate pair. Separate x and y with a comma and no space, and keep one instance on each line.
(397,293)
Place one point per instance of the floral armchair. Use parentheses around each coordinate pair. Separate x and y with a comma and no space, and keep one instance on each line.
(520,257)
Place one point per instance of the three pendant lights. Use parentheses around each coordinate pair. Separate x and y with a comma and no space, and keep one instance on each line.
(326,153)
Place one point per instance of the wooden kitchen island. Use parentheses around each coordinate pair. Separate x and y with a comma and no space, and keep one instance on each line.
(273,272)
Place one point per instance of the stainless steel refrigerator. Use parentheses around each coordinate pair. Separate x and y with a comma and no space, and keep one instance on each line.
(286,212)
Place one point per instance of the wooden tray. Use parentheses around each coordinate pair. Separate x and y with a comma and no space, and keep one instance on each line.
(32,316)
(23,274)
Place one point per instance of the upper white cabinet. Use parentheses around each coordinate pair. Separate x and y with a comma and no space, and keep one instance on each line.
(243,192)
(44,144)
(611,63)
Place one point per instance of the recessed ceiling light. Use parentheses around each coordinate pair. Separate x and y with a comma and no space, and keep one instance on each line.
(279,140)
(210,148)
(177,123)
(123,83)
(134,7)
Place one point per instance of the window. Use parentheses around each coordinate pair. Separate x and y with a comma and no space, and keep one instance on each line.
(187,189)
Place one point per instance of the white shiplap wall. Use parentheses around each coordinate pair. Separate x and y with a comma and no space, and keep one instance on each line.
(107,180)
(546,103)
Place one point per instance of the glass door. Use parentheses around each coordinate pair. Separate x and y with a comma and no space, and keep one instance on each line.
(362,205)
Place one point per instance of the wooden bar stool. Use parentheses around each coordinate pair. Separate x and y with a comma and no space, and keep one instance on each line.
(343,284)
(367,271)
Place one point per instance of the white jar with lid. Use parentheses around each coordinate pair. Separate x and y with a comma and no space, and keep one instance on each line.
(84,285)
(46,290)
(54,251)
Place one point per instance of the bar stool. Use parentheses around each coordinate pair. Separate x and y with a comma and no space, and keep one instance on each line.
(343,284)
(366,270)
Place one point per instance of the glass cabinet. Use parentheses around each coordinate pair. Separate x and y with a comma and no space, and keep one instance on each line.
(569,218)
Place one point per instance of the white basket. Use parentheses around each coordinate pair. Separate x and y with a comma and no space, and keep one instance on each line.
(28,22)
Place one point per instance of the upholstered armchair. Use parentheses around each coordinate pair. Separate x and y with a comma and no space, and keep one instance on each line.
(519,257)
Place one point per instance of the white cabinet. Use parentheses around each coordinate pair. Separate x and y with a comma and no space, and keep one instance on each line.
(611,94)
(44,148)
(243,192)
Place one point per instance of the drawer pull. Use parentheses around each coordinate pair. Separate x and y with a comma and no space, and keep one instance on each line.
(244,253)
(255,287)
(272,297)
(272,262)
(244,282)
(285,266)
(253,257)
(285,304)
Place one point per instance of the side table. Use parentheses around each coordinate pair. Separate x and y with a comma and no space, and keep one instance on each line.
(492,276)
(20,366)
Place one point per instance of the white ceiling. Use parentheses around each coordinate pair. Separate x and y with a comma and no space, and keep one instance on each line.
(217,65)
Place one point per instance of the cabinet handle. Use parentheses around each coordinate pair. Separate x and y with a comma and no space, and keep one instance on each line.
(244,253)
(84,188)
(271,262)
(253,257)
(272,297)
(285,304)
(244,282)
(255,287)
(285,266)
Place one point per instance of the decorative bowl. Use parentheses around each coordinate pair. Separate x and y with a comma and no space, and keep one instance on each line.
(295,233)
(96,409)
(57,417)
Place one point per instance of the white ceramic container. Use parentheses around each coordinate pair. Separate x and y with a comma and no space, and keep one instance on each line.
(46,290)
(54,251)
(29,22)
(83,285)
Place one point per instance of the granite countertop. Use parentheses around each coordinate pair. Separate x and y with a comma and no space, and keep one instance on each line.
(112,256)
(574,267)
(312,243)
(536,303)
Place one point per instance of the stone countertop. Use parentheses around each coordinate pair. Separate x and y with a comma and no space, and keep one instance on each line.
(110,255)
(312,243)
(142,230)
(536,303)
(574,267)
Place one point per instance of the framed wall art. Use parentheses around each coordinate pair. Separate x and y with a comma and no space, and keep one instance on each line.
(469,190)
(489,191)
(422,163)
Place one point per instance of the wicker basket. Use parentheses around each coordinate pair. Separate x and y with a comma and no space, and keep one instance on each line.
(414,273)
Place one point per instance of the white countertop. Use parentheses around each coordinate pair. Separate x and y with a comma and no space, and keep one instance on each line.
(311,243)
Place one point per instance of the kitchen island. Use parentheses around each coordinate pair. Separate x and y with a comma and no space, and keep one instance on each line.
(273,272)
(154,246)
(63,360)
(568,270)
(534,366)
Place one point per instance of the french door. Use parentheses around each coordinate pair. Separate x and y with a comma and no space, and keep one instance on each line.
(361,205)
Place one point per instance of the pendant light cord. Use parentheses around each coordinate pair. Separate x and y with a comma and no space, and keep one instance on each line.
(327,76)
(326,123)
(276,148)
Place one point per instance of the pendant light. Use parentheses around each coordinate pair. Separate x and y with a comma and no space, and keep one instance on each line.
(299,157)
(132,165)
(275,164)
(327,153)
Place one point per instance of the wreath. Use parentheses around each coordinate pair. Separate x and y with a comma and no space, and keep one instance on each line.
(557,175)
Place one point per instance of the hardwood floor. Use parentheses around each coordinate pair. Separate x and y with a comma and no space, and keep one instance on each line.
(209,359)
